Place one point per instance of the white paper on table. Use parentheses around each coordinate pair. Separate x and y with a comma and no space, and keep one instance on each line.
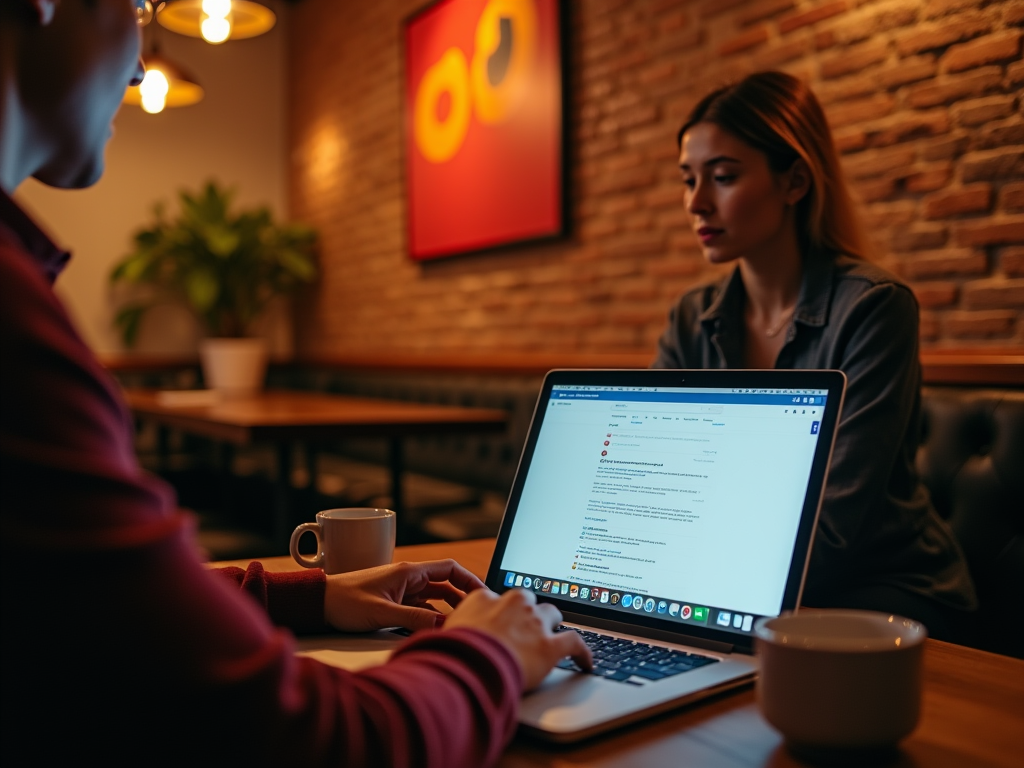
(186,398)
(351,652)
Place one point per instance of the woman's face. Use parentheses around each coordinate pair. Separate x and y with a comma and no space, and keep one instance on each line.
(738,207)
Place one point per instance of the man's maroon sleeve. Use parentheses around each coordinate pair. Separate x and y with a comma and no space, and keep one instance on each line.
(293,599)
(114,629)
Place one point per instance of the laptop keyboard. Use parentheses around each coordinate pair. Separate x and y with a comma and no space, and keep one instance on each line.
(631,661)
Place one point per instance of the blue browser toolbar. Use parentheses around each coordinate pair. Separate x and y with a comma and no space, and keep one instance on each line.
(717,398)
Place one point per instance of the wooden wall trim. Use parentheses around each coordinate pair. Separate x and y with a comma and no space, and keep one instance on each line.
(974,367)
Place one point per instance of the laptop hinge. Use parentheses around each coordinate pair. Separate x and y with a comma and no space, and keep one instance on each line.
(653,634)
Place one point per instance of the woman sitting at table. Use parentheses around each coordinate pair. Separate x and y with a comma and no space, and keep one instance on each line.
(764,190)
(119,646)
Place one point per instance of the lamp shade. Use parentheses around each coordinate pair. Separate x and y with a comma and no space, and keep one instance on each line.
(216,20)
(165,85)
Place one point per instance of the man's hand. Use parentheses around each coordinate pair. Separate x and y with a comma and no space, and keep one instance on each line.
(525,628)
(395,595)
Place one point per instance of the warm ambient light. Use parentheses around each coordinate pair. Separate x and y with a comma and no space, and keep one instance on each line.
(216,20)
(165,85)
(215,30)
(216,24)
(154,90)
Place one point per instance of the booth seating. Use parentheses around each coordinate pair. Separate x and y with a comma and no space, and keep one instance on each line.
(972,461)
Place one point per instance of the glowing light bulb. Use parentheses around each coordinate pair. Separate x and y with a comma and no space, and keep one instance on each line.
(217,9)
(153,91)
(215,26)
(215,30)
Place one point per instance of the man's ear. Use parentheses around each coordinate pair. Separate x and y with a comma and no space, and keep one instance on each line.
(798,181)
(41,10)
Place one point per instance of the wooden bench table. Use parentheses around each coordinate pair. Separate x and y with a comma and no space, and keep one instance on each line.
(284,417)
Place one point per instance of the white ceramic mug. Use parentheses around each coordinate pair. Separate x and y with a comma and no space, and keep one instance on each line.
(847,680)
(348,539)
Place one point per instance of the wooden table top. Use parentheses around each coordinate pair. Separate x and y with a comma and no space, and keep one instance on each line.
(295,415)
(972,711)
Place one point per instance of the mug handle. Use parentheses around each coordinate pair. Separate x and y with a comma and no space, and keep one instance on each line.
(293,546)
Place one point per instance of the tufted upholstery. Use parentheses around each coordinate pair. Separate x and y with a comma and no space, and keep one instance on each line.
(972,460)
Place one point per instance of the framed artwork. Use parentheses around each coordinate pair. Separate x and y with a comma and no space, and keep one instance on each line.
(484,125)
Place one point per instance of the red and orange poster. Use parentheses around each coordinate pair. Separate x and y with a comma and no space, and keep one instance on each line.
(483,111)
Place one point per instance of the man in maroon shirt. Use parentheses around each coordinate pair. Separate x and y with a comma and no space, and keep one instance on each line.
(119,646)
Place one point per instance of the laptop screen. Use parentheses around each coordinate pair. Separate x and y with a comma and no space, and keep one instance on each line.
(677,503)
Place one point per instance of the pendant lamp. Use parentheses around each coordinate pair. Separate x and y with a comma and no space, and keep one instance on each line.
(165,85)
(215,20)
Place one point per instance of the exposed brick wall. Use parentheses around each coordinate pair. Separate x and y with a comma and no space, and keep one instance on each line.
(925,98)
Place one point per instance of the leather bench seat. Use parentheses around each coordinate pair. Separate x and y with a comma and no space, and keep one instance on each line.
(972,460)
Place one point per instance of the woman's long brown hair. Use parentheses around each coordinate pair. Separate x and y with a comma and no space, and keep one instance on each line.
(780,116)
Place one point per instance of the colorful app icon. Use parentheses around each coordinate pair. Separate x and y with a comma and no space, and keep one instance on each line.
(662,607)
(594,593)
(556,587)
(510,579)
(748,622)
(574,590)
(615,598)
(527,582)
(649,605)
(638,603)
(724,617)
(627,601)
(605,596)
(685,612)
(547,586)
(584,593)
(519,580)
(537,584)
(700,613)
(737,621)
(565,587)
(673,610)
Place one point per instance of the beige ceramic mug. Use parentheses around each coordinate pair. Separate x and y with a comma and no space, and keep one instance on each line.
(840,680)
(348,539)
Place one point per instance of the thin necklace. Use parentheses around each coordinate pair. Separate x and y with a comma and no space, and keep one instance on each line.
(773,331)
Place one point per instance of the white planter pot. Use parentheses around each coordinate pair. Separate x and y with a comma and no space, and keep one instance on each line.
(234,366)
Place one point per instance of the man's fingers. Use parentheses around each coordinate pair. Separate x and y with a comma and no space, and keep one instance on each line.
(438,591)
(525,595)
(552,616)
(449,570)
(410,617)
(571,644)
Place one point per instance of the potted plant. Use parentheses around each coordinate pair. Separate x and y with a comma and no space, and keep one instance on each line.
(223,266)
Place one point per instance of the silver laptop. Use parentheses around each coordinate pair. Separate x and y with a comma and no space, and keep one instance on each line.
(663,512)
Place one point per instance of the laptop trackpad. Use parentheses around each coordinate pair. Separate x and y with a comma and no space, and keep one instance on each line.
(569,705)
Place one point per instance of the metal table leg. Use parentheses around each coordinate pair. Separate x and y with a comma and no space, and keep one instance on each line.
(282,496)
(397,464)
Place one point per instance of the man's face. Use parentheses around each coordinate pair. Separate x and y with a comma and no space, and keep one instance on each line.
(73,72)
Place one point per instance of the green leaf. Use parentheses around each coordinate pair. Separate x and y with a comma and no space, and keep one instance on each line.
(298,264)
(202,289)
(220,240)
(128,319)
